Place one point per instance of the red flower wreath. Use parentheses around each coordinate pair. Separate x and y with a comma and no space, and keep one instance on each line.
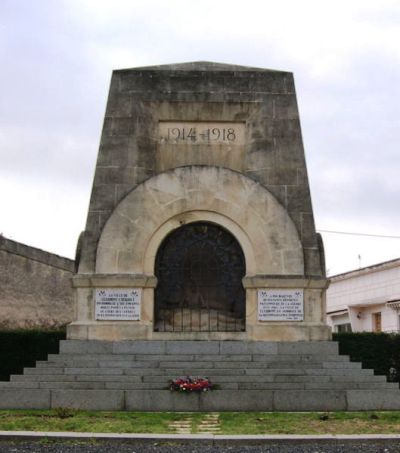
(190,384)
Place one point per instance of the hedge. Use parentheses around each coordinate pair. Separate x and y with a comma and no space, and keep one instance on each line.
(21,348)
(379,351)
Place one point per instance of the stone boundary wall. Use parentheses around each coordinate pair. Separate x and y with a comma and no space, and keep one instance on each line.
(35,287)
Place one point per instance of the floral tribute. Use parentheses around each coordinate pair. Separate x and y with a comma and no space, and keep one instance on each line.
(191,384)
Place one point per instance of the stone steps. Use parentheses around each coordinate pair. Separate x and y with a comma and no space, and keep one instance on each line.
(203,371)
(224,386)
(223,375)
(215,378)
(154,347)
(252,375)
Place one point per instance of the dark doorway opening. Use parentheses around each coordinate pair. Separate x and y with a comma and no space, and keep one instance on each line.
(199,268)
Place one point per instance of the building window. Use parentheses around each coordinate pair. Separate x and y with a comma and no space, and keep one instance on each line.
(377,322)
(343,327)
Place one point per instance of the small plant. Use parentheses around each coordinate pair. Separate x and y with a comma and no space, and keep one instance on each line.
(64,412)
(324,416)
(393,375)
(46,441)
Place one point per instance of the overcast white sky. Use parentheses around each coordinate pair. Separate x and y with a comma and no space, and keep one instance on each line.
(56,62)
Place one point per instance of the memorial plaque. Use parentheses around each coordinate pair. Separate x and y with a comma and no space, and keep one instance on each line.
(201,133)
(118,304)
(280,305)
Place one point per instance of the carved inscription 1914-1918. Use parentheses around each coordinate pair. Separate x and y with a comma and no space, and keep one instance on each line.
(201,133)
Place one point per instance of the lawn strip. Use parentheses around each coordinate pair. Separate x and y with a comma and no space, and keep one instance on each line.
(310,422)
(245,423)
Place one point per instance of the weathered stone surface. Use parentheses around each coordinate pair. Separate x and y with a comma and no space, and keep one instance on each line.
(41,377)
(308,347)
(16,385)
(239,347)
(361,400)
(35,287)
(197,365)
(245,400)
(107,400)
(212,189)
(301,400)
(160,400)
(84,347)
(48,370)
(24,399)
(73,385)
(192,347)
(201,142)
(139,347)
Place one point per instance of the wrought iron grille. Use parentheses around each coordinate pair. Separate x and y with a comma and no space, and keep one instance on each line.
(200,267)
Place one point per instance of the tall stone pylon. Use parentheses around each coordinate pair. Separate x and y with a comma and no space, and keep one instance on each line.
(201,148)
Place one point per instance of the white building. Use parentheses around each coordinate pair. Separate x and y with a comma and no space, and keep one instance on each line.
(366,299)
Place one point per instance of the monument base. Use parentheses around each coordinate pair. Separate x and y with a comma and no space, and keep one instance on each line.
(124,332)
(251,376)
(188,323)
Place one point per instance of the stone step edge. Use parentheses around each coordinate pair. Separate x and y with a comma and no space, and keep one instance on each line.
(196,371)
(242,358)
(218,379)
(223,400)
(204,356)
(83,385)
(194,346)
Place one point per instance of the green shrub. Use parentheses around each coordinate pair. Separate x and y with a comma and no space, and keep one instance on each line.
(379,351)
(21,348)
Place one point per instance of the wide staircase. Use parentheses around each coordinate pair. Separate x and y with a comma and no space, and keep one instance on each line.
(135,375)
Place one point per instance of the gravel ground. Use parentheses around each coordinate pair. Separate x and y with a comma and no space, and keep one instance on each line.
(101,447)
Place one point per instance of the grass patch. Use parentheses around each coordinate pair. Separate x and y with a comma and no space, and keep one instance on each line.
(230,422)
(310,422)
(88,421)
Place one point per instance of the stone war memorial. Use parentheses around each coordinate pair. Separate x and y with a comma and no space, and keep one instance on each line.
(200,258)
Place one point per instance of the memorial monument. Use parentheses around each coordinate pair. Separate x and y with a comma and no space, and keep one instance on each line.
(200,255)
(200,222)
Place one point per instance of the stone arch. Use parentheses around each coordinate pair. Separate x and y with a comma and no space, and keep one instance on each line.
(197,216)
(199,269)
(135,229)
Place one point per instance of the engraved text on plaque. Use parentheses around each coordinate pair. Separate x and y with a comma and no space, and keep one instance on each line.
(118,304)
(280,305)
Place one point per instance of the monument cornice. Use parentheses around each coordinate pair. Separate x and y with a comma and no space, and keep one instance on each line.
(114,280)
(284,281)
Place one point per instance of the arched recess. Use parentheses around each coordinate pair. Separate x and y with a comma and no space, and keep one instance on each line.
(135,229)
(199,268)
(198,216)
